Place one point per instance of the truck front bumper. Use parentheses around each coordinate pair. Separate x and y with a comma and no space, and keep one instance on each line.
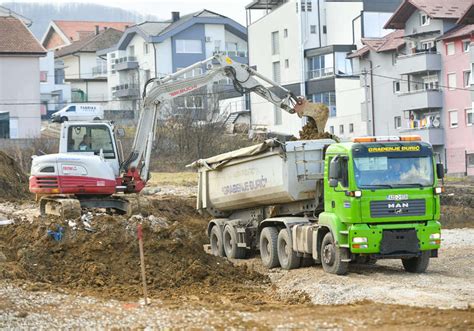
(394,240)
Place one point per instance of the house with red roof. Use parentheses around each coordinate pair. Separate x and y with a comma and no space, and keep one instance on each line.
(63,33)
(19,80)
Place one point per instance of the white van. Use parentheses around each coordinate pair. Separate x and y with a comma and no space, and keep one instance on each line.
(78,112)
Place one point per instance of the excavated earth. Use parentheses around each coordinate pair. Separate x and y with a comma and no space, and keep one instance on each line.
(13,182)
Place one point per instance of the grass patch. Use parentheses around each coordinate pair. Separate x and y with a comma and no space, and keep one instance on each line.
(173,178)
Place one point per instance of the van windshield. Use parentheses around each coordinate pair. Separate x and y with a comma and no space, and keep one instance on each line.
(90,139)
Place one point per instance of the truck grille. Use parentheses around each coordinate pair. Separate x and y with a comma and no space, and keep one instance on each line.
(388,208)
(47,182)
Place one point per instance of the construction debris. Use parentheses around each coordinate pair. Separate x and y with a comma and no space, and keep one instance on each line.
(13,182)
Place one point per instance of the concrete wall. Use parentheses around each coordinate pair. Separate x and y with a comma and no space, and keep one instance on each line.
(20,83)
(460,139)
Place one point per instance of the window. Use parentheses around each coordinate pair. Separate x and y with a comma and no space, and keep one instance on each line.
(321,66)
(351,127)
(341,129)
(276,72)
(465,45)
(287,63)
(430,82)
(90,139)
(453,118)
(71,109)
(469,117)
(466,78)
(396,86)
(428,45)
(275,43)
(309,5)
(394,58)
(312,29)
(327,98)
(325,30)
(188,46)
(131,50)
(397,122)
(450,49)
(331,129)
(424,19)
(452,81)
(285,33)
(470,160)
(43,76)
(145,48)
(189,102)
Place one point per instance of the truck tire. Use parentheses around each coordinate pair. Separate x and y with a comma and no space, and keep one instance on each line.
(331,256)
(286,255)
(268,247)
(230,243)
(215,239)
(417,264)
(64,119)
(96,118)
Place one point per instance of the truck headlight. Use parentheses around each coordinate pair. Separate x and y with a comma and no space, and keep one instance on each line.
(358,240)
(435,236)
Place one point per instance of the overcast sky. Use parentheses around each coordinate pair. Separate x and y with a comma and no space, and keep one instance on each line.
(234,9)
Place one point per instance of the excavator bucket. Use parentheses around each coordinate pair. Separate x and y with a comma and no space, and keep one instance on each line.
(317,111)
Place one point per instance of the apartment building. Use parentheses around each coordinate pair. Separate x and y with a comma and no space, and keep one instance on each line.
(55,93)
(423,82)
(83,69)
(307,43)
(156,49)
(19,80)
(457,53)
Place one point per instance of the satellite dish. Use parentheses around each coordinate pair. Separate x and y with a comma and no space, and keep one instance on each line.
(436,122)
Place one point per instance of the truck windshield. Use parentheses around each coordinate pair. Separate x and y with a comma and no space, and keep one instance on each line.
(389,172)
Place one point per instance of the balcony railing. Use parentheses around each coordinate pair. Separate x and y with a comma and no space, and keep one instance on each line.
(126,59)
(126,63)
(126,90)
(420,99)
(320,73)
(100,70)
(419,62)
(232,53)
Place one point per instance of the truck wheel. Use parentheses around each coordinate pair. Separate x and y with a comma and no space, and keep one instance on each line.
(96,119)
(286,255)
(417,264)
(230,243)
(307,262)
(64,119)
(331,256)
(215,238)
(268,247)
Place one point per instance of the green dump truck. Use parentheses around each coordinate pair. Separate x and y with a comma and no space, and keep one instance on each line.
(318,201)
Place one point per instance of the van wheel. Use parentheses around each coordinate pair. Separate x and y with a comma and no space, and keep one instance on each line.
(286,255)
(64,119)
(215,239)
(232,250)
(417,264)
(96,119)
(268,247)
(331,256)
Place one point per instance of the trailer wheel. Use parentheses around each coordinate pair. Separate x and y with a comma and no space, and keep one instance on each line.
(331,256)
(287,257)
(417,264)
(215,238)
(268,247)
(232,250)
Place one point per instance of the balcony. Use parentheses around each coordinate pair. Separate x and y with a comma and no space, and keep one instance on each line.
(239,56)
(320,73)
(433,135)
(418,62)
(99,71)
(126,90)
(420,99)
(126,63)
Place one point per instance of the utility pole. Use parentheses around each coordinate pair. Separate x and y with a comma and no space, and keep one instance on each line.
(367,112)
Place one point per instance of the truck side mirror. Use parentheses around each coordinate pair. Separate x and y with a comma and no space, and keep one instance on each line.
(335,168)
(440,170)
(333,182)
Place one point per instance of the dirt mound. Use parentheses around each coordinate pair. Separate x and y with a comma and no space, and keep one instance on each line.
(310,131)
(457,206)
(100,256)
(13,182)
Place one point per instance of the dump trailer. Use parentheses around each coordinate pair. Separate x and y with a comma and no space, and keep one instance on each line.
(318,201)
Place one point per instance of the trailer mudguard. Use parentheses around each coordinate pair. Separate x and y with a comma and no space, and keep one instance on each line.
(282,222)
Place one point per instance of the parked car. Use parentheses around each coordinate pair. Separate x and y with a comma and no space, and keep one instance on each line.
(78,112)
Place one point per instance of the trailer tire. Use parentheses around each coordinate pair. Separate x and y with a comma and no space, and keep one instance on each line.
(268,247)
(215,239)
(331,256)
(286,255)
(231,249)
(417,264)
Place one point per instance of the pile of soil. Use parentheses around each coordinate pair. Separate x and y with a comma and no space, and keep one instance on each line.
(310,132)
(101,256)
(13,182)
(457,206)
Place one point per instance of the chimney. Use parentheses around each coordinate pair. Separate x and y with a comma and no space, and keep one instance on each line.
(96,30)
(175,15)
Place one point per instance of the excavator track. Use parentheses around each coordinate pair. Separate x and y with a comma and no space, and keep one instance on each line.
(62,206)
